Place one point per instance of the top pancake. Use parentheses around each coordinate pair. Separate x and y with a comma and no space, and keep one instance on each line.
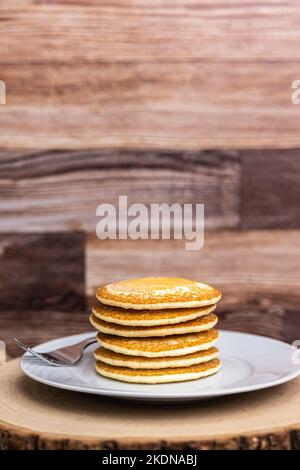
(154,293)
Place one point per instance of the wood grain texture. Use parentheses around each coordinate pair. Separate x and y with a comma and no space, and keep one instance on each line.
(42,271)
(51,190)
(65,31)
(60,190)
(57,419)
(252,268)
(241,89)
(271,190)
(274,319)
(34,327)
(183,76)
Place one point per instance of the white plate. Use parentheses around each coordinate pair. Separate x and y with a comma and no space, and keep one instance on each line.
(249,362)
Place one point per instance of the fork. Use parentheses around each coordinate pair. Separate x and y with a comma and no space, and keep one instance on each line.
(63,357)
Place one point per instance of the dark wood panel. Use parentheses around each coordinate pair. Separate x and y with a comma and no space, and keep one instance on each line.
(41,271)
(48,190)
(35,327)
(60,190)
(276,320)
(271,189)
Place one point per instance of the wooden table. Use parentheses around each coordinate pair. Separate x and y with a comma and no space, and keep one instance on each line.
(35,416)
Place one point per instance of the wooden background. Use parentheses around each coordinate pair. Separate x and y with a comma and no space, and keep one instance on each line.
(186,101)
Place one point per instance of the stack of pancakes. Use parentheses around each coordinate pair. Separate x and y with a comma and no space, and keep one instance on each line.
(156,330)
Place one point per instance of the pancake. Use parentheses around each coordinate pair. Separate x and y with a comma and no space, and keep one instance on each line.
(139,362)
(154,376)
(131,317)
(155,293)
(175,345)
(192,326)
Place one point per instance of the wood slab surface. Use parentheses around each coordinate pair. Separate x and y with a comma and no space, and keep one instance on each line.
(35,416)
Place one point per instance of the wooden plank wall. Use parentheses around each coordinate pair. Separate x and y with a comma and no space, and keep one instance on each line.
(188,75)
(55,194)
(60,190)
(257,271)
(48,190)
(186,101)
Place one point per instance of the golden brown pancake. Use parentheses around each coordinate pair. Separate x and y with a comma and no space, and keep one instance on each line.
(139,362)
(192,326)
(155,293)
(175,345)
(154,376)
(131,317)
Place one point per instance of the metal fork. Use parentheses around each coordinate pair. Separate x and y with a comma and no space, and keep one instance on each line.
(63,357)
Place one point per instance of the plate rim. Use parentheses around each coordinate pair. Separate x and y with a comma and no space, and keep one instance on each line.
(158,395)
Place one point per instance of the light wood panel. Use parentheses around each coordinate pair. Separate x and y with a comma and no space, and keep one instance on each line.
(259,268)
(183,75)
(154,106)
(65,31)
(228,86)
